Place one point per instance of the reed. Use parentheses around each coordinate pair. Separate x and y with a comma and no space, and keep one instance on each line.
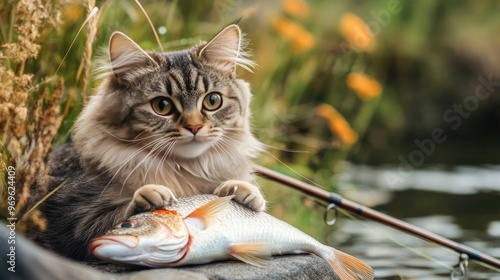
(29,97)
(46,78)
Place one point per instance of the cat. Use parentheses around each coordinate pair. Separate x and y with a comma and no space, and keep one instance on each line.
(161,125)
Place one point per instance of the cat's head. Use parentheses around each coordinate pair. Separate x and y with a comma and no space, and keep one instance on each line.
(180,104)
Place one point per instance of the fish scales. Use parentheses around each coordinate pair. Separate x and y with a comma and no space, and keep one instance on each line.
(238,224)
(205,228)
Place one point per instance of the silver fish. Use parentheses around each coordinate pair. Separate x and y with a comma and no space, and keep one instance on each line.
(205,228)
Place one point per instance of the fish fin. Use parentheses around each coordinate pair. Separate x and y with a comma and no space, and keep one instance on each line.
(206,214)
(348,267)
(257,253)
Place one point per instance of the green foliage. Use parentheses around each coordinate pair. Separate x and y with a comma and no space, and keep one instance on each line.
(305,60)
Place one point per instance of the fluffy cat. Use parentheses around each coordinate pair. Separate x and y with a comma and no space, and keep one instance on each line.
(161,125)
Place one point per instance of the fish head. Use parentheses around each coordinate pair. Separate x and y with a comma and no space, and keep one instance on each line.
(156,238)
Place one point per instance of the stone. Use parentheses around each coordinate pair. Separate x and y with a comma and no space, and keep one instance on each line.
(305,266)
(34,262)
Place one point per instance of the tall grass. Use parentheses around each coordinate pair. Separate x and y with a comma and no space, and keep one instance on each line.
(29,96)
(315,91)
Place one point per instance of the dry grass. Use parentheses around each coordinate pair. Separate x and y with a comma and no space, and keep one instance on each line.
(84,69)
(29,103)
(45,66)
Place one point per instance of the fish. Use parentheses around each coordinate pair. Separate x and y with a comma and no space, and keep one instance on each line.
(201,229)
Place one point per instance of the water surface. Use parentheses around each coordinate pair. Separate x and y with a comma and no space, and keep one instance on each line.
(459,203)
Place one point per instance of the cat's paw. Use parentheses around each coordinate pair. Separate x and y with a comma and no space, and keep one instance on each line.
(244,192)
(152,196)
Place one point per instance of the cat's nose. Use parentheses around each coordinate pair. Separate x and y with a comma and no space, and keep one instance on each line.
(194,128)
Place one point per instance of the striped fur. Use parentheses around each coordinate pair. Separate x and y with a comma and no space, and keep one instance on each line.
(122,144)
(119,121)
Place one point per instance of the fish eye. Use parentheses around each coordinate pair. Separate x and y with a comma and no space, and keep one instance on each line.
(162,106)
(125,224)
(212,101)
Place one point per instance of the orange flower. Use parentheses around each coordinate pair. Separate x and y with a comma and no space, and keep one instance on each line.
(303,42)
(73,12)
(297,8)
(338,125)
(285,27)
(357,34)
(301,39)
(363,85)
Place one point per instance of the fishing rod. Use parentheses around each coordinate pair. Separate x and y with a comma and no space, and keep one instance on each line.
(353,207)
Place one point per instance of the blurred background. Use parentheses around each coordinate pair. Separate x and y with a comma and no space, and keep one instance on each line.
(392,103)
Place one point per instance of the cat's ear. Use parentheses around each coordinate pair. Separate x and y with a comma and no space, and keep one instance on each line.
(127,58)
(223,51)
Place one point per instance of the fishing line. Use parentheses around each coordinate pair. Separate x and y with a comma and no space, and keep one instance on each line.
(390,238)
(485,265)
(340,202)
(366,224)
(383,233)
(295,172)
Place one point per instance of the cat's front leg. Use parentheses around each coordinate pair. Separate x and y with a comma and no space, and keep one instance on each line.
(150,197)
(244,192)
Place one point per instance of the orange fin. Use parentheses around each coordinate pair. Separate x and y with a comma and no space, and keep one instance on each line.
(257,253)
(348,267)
(207,214)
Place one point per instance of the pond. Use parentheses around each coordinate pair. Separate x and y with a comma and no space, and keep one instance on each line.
(459,203)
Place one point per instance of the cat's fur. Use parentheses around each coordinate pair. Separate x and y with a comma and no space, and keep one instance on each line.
(126,158)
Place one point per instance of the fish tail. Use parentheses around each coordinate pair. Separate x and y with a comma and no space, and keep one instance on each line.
(348,267)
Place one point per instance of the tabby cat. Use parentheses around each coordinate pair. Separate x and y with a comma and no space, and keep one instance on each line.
(161,125)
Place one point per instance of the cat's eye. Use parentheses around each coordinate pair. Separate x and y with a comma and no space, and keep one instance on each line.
(212,101)
(163,106)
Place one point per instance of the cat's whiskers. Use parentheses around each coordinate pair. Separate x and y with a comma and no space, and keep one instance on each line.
(132,155)
(236,143)
(216,135)
(144,131)
(216,149)
(231,129)
(169,145)
(163,147)
(164,160)
(128,159)
(225,158)
(136,139)
(222,143)
(135,121)
(152,151)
